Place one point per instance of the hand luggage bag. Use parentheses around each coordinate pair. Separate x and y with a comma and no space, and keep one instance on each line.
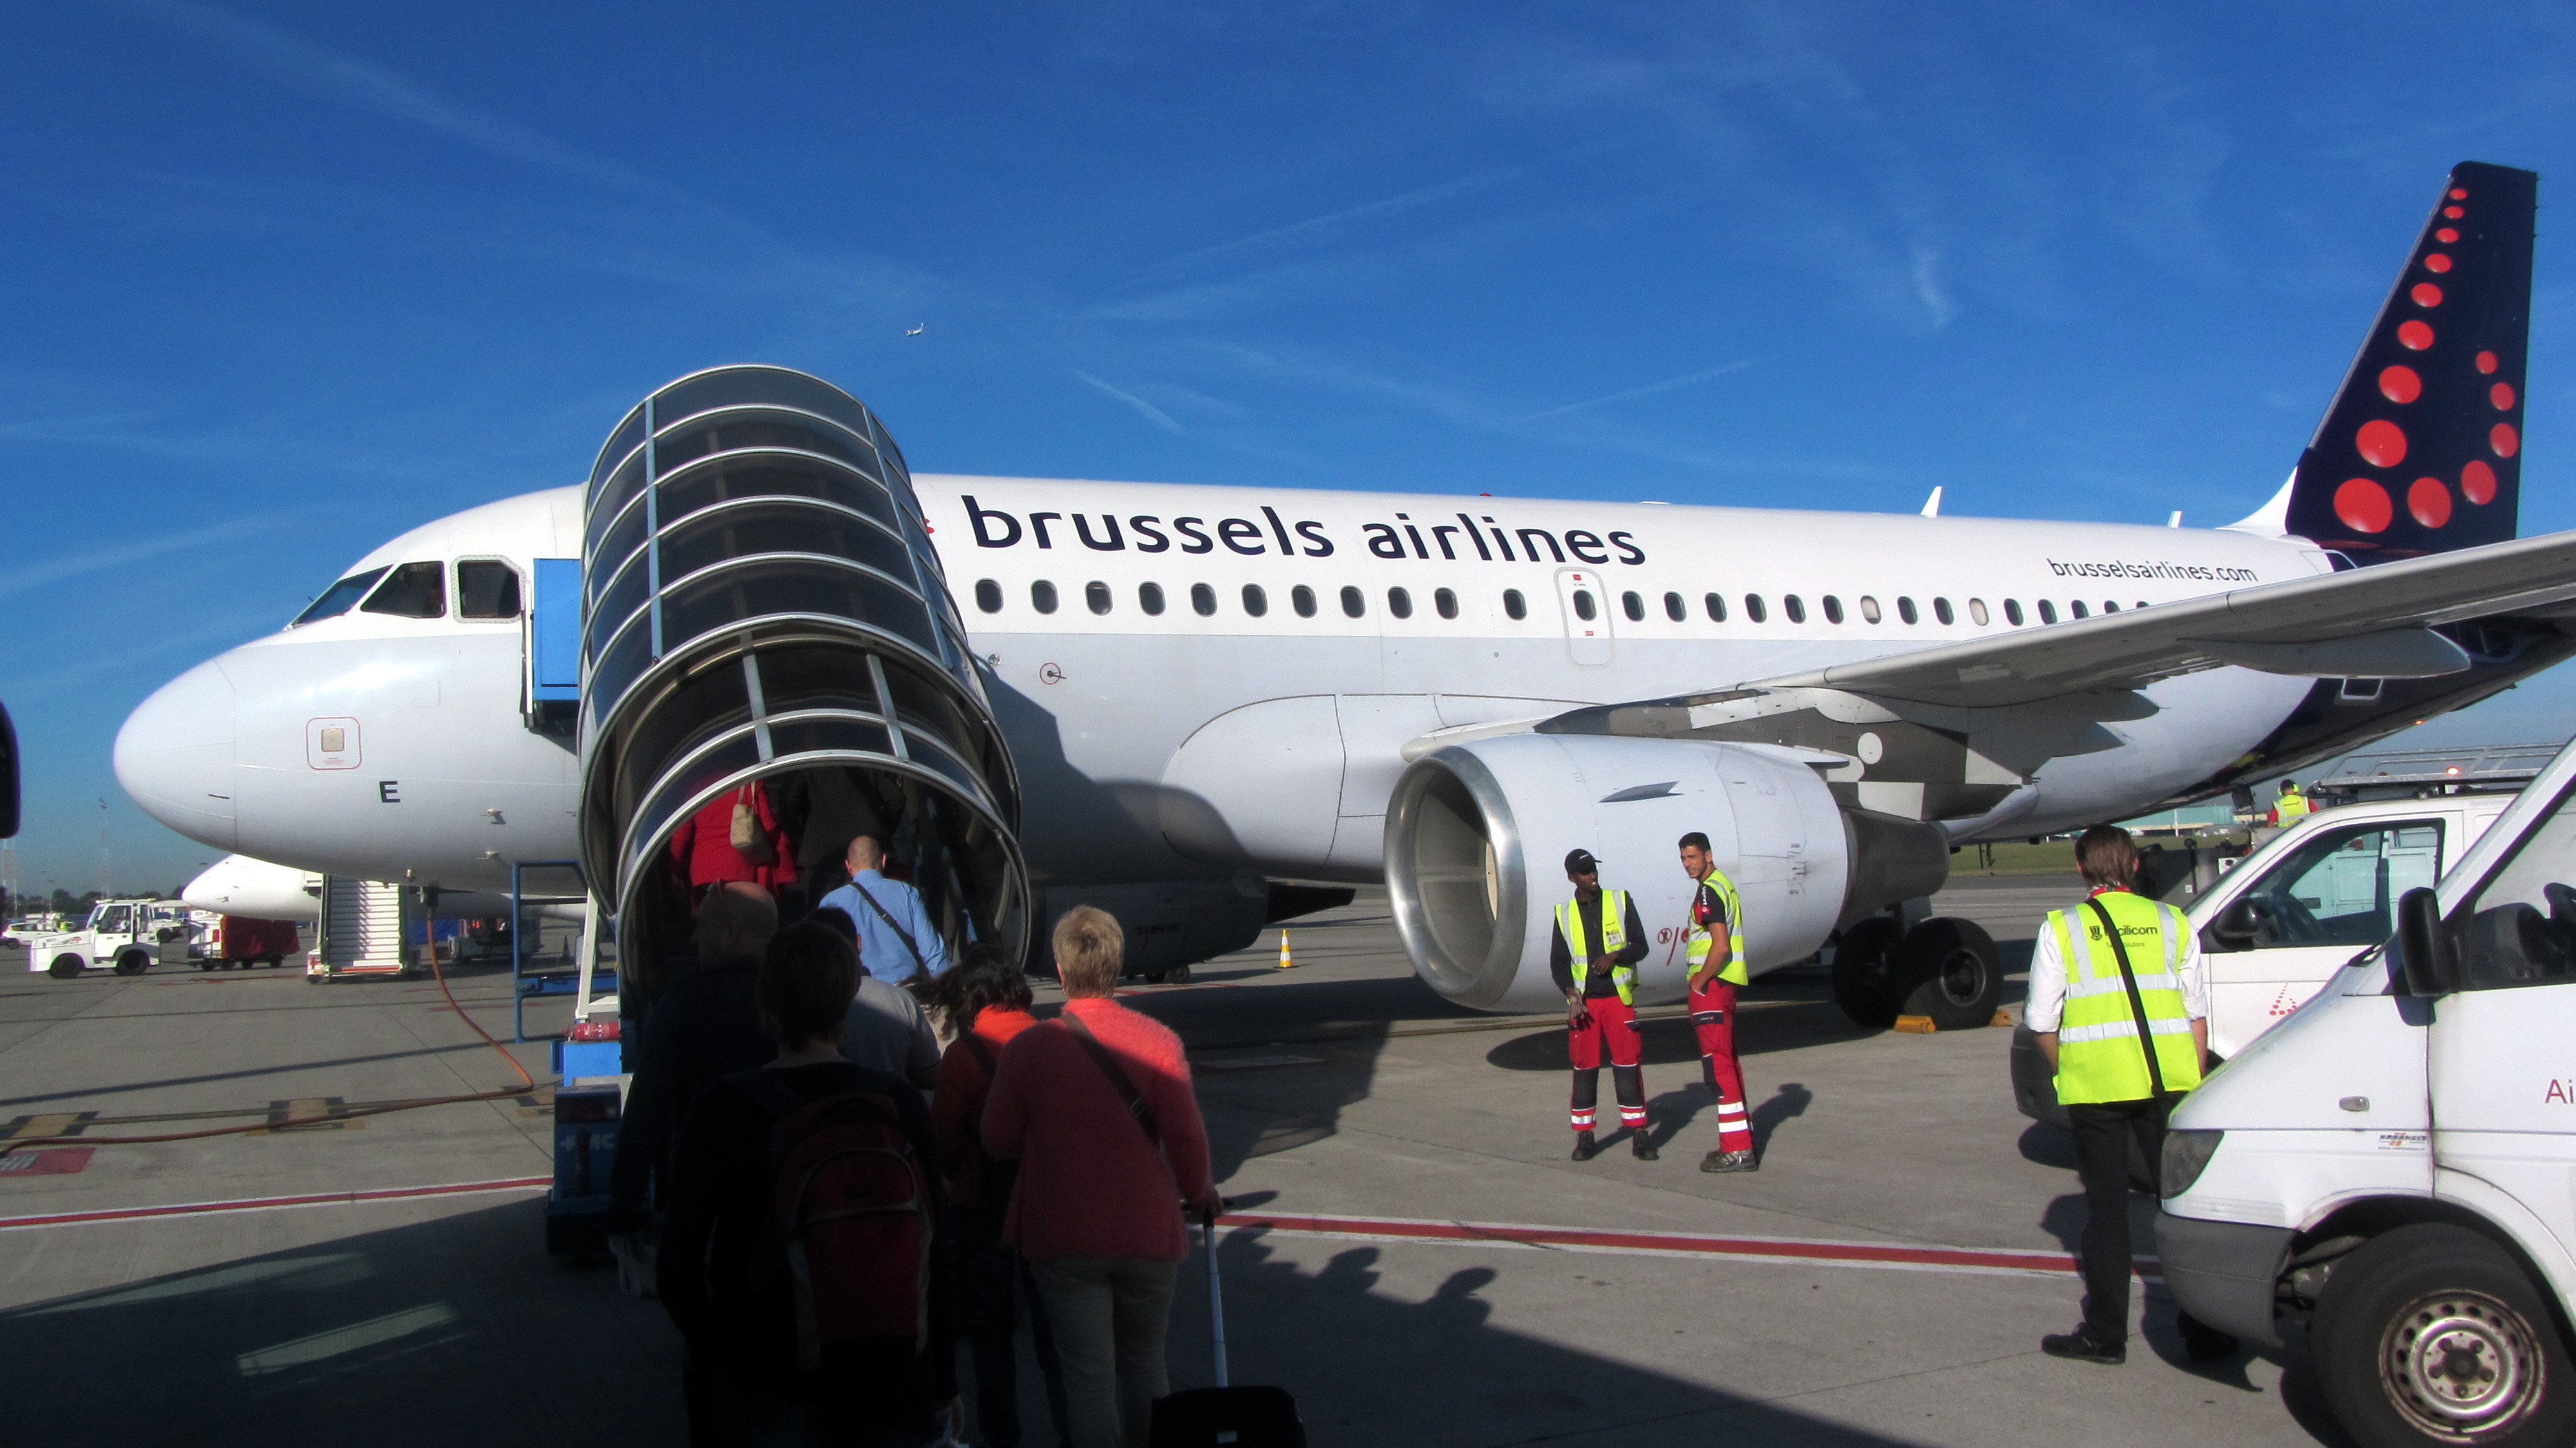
(1225,1416)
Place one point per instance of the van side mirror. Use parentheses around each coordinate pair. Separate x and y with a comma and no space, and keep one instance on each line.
(2425,954)
(2239,923)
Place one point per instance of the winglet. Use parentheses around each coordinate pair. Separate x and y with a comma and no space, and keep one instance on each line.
(1932,505)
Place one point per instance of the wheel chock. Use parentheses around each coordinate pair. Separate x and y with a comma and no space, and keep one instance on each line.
(1916,1025)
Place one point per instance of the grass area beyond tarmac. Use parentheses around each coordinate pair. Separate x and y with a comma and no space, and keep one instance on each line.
(2057,857)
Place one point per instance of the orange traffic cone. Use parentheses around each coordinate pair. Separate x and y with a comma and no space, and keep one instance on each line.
(1284,962)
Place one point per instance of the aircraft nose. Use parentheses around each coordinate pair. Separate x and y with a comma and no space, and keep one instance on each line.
(175,755)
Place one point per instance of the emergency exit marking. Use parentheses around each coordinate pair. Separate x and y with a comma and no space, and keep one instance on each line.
(388,790)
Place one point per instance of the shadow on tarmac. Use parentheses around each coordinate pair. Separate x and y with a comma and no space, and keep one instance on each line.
(463,1330)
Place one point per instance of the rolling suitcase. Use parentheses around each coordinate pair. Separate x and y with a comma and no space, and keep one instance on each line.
(1223,1415)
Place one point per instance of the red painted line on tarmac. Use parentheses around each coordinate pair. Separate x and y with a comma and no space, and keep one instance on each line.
(271,1204)
(1676,1244)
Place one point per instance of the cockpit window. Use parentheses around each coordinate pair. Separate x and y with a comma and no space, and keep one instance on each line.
(486,588)
(415,590)
(340,597)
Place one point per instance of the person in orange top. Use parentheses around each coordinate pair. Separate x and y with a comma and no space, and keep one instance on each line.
(985,1000)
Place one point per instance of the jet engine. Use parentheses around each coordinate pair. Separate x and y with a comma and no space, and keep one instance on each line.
(762,607)
(1476,836)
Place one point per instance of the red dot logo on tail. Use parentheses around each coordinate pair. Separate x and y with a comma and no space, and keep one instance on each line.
(2486,361)
(2426,294)
(2504,440)
(2363,506)
(2502,396)
(2478,483)
(2381,443)
(2414,336)
(2400,384)
(2437,262)
(2429,502)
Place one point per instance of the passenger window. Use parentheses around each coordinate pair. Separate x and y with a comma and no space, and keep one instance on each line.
(1302,599)
(1445,601)
(1354,603)
(1399,603)
(1202,600)
(1149,597)
(1674,608)
(1833,609)
(1255,602)
(2110,607)
(2012,612)
(988,595)
(415,590)
(2339,888)
(1096,596)
(1753,608)
(1042,596)
(2047,611)
(2520,928)
(486,588)
(2076,607)
(1716,606)
(1905,611)
(1515,606)
(340,597)
(1794,606)
(1977,611)
(1633,605)
(1584,606)
(1941,611)
(1868,609)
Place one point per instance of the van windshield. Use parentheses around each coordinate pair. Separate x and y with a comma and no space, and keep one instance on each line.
(340,597)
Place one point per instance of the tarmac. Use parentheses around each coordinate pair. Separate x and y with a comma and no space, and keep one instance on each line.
(1412,1253)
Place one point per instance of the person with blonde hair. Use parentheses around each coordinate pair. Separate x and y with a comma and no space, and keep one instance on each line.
(1096,1106)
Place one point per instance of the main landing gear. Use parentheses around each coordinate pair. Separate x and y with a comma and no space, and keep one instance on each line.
(1944,968)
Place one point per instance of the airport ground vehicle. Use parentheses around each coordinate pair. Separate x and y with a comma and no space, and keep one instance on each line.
(2394,1166)
(2282,921)
(131,936)
(239,942)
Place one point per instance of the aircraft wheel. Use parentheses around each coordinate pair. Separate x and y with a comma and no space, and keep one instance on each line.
(64,967)
(1178,975)
(1948,969)
(133,962)
(1862,985)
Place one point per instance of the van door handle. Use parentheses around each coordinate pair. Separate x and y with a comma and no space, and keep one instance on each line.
(2355,1103)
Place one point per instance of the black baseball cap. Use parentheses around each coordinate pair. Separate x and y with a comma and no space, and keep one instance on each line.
(1580,862)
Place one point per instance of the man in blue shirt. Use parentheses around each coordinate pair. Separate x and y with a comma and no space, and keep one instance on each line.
(896,939)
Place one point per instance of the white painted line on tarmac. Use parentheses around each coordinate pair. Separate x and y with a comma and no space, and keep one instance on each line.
(273,1204)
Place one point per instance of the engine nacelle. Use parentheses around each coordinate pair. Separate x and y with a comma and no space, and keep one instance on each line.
(1476,836)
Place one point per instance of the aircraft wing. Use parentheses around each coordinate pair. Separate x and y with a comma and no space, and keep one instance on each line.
(2372,622)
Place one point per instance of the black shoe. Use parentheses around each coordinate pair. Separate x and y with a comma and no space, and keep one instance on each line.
(2083,1346)
(2203,1343)
(1640,1148)
(1585,1148)
(1729,1161)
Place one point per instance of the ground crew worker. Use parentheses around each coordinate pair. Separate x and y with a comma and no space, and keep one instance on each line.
(2287,810)
(1598,942)
(2119,998)
(1714,942)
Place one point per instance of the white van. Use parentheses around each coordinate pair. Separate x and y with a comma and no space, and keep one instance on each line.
(2394,1166)
(2283,920)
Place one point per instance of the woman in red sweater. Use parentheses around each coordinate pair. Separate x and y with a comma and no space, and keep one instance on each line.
(1097,1210)
(985,1000)
(703,847)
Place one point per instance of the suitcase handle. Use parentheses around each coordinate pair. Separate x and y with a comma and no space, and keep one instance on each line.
(1216,1297)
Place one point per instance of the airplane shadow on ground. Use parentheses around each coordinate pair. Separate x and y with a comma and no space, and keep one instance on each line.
(462,1330)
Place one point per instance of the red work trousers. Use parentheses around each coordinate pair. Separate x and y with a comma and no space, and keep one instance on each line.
(1712,1014)
(1609,1020)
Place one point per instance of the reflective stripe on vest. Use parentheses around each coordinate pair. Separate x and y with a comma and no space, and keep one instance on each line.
(1696,937)
(2099,1057)
(1614,938)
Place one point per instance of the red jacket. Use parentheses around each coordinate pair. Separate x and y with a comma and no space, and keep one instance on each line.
(957,1107)
(1090,1183)
(704,846)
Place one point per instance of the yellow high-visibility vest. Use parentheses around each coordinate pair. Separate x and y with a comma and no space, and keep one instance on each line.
(2292,806)
(2099,1057)
(1614,938)
(1696,936)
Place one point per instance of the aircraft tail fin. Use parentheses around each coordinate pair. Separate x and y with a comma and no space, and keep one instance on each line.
(2421,450)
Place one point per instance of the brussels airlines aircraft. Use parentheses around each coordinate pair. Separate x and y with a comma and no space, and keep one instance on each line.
(1174,701)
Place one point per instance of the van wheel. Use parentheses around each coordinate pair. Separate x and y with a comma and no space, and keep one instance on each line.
(1947,969)
(133,962)
(1862,984)
(2431,1334)
(64,967)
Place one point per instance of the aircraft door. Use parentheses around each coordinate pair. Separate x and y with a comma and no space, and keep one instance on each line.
(1583,600)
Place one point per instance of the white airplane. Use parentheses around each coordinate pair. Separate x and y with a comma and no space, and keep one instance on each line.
(1179,702)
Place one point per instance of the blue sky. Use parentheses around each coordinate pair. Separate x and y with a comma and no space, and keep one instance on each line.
(285,279)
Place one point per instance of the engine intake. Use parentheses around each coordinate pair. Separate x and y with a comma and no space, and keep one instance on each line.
(1476,834)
